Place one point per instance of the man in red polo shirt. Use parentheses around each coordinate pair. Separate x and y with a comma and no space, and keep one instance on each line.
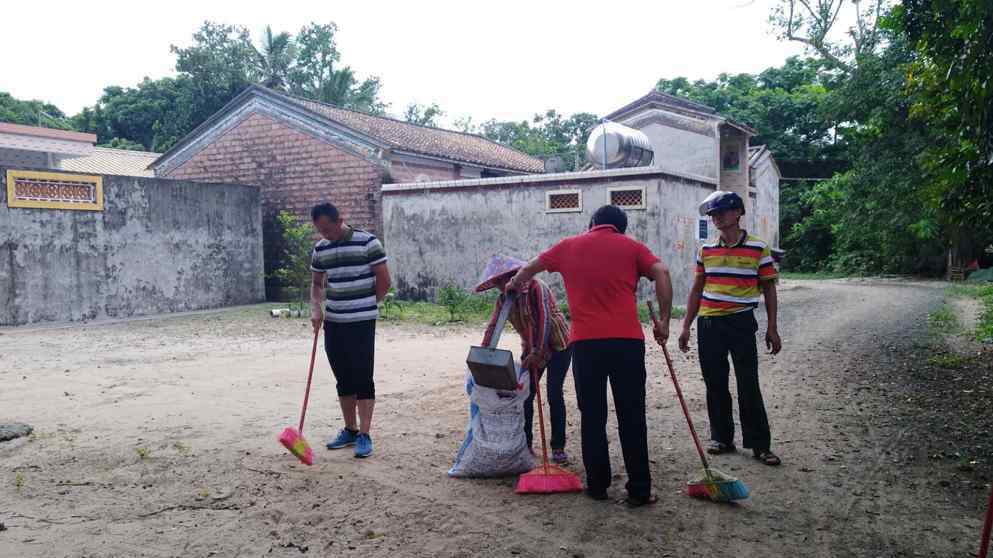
(601,269)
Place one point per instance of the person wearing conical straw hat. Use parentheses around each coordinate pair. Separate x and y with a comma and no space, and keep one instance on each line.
(544,342)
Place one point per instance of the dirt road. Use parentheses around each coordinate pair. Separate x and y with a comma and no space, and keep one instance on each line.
(157,438)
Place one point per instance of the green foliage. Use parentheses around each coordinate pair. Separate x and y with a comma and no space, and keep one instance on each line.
(143,452)
(121,143)
(391,307)
(317,75)
(984,294)
(786,106)
(461,304)
(221,61)
(19,480)
(950,84)
(422,114)
(154,114)
(32,113)
(291,265)
(275,59)
(546,135)
(646,318)
(942,320)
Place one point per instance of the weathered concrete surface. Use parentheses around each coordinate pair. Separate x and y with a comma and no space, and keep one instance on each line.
(14,430)
(763,220)
(158,246)
(443,233)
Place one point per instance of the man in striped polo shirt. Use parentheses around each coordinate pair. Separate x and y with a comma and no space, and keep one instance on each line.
(731,273)
(350,279)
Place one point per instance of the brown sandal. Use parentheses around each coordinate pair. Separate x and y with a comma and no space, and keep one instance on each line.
(767,458)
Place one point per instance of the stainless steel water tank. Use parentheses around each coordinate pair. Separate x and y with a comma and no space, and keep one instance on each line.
(625,147)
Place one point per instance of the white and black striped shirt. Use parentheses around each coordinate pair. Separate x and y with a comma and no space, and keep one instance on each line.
(351,283)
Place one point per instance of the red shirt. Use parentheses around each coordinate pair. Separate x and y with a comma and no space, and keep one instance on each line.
(601,269)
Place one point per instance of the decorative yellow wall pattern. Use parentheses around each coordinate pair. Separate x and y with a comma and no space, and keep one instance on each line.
(54,190)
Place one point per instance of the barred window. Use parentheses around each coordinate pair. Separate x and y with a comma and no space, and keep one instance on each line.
(564,201)
(54,190)
(628,198)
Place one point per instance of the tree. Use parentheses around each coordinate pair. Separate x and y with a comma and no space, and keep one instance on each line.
(547,135)
(155,114)
(950,81)
(32,113)
(220,63)
(275,59)
(217,66)
(316,76)
(812,23)
(423,115)
(785,105)
(120,143)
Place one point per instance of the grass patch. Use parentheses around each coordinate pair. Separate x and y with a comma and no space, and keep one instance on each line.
(812,276)
(983,293)
(942,320)
(949,361)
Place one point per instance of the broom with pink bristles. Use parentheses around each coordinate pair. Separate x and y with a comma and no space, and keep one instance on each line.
(546,479)
(292,438)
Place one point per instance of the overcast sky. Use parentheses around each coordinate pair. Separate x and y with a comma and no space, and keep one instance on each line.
(504,60)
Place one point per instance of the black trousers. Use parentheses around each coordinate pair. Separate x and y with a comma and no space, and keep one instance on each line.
(351,349)
(735,335)
(622,361)
(557,367)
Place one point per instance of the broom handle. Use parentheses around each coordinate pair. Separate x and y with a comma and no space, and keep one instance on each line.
(310,376)
(536,383)
(679,394)
(984,539)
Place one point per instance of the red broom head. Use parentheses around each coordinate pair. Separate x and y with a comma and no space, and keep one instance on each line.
(298,446)
(554,480)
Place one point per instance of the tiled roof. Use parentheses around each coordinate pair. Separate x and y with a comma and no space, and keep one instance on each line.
(425,140)
(50,133)
(105,160)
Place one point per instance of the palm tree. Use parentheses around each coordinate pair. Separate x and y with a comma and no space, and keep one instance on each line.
(275,60)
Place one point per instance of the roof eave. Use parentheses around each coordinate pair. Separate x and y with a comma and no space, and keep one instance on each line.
(414,153)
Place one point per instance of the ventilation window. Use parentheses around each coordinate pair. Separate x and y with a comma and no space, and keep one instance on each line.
(564,201)
(628,198)
(703,233)
(54,190)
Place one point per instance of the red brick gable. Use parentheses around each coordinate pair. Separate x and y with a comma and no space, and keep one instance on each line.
(294,170)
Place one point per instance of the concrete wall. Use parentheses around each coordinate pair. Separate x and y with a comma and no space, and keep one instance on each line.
(158,246)
(764,217)
(682,150)
(446,232)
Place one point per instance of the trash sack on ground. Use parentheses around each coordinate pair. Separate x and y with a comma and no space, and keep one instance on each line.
(982,275)
(495,444)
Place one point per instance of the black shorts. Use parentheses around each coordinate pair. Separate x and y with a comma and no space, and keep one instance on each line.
(351,349)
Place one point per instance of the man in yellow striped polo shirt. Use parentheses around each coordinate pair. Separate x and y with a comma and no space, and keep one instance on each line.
(731,275)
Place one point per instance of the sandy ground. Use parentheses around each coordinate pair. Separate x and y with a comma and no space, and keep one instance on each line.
(157,438)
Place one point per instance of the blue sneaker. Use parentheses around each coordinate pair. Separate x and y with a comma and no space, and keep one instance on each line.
(344,439)
(363,445)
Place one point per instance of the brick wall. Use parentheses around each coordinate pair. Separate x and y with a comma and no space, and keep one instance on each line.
(293,170)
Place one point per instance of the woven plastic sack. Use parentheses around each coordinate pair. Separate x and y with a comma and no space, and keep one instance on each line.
(495,444)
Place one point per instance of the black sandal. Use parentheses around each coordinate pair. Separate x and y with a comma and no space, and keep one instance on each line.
(767,457)
(717,448)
